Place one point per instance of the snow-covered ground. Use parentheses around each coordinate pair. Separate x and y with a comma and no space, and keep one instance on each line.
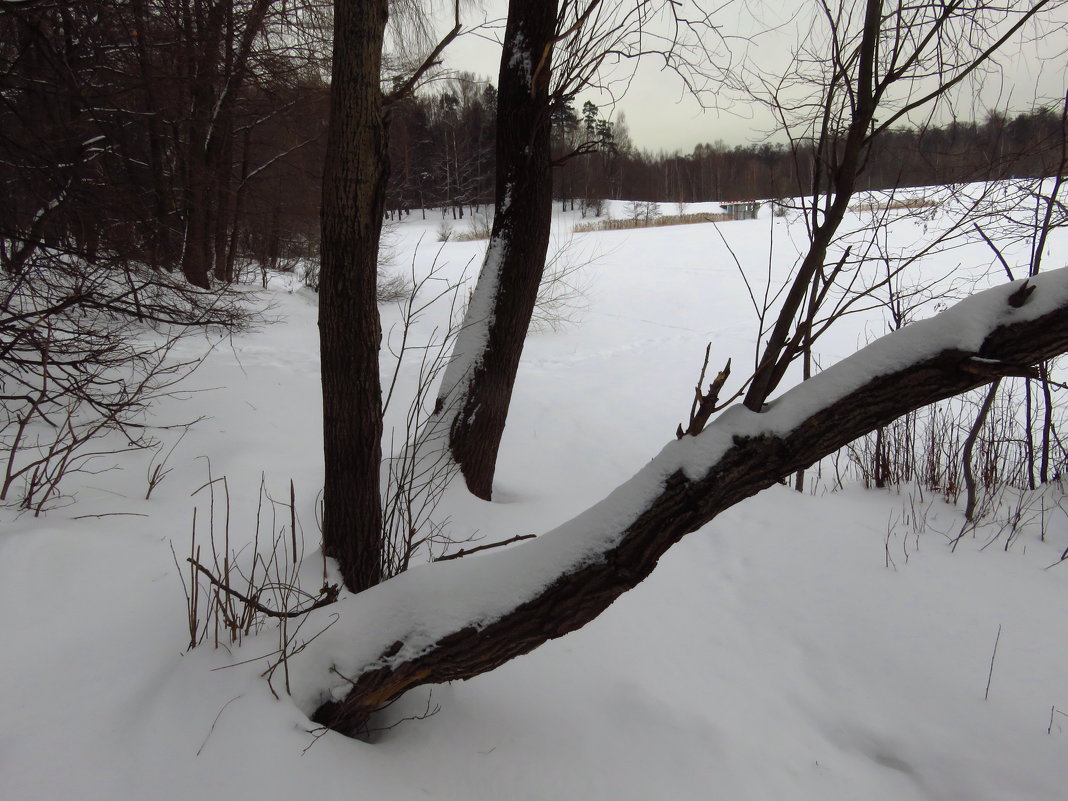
(801,646)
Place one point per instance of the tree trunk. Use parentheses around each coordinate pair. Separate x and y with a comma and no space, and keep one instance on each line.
(196,251)
(237,209)
(161,248)
(225,199)
(970,490)
(478,384)
(695,479)
(844,167)
(202,34)
(354,192)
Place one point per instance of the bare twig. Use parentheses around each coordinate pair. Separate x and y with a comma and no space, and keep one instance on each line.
(432,60)
(993,656)
(328,595)
(468,551)
(219,715)
(704,403)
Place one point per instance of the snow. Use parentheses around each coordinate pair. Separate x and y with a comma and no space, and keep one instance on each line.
(520,58)
(799,646)
(474,331)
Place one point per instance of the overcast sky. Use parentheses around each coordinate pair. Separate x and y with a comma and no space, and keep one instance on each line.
(661,114)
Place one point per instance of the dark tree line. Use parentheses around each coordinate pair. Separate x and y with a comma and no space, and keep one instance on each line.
(178,134)
(189,135)
(441,149)
(1027,145)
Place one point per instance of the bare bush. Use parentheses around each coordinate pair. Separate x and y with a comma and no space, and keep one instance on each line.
(232,594)
(391,286)
(592,205)
(924,447)
(563,294)
(419,468)
(87,347)
(480,228)
(644,211)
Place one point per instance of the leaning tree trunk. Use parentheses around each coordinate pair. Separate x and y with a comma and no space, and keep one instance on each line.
(354,193)
(575,573)
(477,387)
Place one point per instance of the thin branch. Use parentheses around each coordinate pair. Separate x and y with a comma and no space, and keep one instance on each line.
(431,61)
(997,251)
(548,49)
(330,593)
(468,551)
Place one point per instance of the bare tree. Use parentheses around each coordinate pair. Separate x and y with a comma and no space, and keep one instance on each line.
(1040,210)
(85,348)
(80,277)
(354,193)
(354,200)
(158,126)
(865,67)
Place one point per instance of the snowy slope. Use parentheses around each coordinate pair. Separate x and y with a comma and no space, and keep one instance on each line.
(798,647)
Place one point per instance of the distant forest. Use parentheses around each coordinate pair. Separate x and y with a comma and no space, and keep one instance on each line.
(120,133)
(441,148)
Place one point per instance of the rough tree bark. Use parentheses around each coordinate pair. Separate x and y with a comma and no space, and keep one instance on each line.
(354,192)
(866,391)
(477,387)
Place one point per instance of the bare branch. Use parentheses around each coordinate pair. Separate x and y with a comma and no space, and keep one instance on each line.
(468,551)
(430,61)
(328,595)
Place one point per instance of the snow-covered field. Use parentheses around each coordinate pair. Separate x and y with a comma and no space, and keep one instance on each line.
(801,646)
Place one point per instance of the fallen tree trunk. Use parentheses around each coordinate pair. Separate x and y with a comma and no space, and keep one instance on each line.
(613,546)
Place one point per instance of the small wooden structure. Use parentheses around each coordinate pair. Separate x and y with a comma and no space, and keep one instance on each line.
(741,209)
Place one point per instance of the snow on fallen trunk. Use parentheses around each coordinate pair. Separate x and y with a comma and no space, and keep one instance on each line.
(457,619)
